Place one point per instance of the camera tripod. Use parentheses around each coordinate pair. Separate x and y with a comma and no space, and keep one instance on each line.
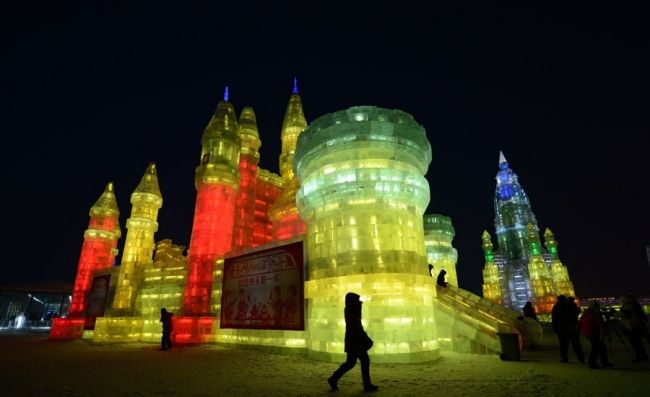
(610,327)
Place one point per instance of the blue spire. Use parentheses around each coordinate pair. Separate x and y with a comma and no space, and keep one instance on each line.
(295,85)
(226,95)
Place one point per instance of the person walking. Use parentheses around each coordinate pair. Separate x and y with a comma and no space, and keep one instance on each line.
(357,344)
(591,325)
(166,320)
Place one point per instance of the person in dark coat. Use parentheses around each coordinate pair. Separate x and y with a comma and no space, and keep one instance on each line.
(441,278)
(591,324)
(561,323)
(634,320)
(573,312)
(357,344)
(529,311)
(166,320)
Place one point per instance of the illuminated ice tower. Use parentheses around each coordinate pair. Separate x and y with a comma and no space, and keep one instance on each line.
(283,213)
(98,252)
(249,157)
(363,196)
(217,182)
(441,255)
(146,200)
(520,270)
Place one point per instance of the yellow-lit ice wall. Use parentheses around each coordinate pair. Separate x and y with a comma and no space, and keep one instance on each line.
(163,283)
(363,195)
(438,235)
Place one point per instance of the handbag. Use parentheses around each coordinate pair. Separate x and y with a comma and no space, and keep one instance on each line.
(366,343)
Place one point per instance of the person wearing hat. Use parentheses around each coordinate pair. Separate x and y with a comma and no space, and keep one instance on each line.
(357,344)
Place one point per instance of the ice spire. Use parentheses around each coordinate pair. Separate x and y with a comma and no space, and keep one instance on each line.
(295,86)
(149,182)
(293,124)
(502,158)
(106,203)
(226,94)
(250,139)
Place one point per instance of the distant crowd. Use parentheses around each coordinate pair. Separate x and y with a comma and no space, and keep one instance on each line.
(599,327)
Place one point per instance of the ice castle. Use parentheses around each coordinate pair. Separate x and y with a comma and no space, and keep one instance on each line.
(271,257)
(520,270)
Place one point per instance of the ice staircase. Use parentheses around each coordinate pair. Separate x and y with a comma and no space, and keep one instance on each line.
(464,316)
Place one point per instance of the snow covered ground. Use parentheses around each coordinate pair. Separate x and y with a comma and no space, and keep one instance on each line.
(31,365)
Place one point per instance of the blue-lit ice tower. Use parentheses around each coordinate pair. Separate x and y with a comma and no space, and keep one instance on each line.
(520,270)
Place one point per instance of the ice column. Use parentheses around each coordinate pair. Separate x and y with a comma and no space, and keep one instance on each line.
(363,195)
(283,213)
(97,252)
(438,235)
(217,183)
(146,200)
(248,159)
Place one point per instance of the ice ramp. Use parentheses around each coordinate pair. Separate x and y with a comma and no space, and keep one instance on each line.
(466,322)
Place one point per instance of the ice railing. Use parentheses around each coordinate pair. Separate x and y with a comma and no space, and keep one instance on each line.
(487,316)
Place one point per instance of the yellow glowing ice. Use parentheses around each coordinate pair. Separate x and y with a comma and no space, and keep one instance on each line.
(146,200)
(363,195)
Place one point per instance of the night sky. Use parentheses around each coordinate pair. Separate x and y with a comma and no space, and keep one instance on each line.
(93,95)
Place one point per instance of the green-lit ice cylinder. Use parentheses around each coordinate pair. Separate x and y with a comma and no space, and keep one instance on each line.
(438,235)
(362,196)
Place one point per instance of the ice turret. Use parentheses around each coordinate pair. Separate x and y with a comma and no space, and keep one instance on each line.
(294,123)
(217,182)
(248,161)
(363,195)
(146,200)
(97,252)
(283,213)
(512,212)
(559,272)
(492,283)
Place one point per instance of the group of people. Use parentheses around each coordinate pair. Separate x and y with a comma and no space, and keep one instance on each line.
(566,321)
(595,325)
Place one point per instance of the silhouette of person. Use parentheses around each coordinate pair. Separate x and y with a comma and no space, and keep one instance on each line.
(573,312)
(529,311)
(430,270)
(591,324)
(441,278)
(357,344)
(166,320)
(562,323)
(634,320)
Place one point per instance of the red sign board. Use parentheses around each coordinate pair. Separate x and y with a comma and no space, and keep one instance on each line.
(264,289)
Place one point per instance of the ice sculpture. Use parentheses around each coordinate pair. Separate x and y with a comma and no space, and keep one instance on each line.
(438,235)
(520,270)
(97,252)
(283,213)
(249,157)
(146,200)
(217,182)
(363,194)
